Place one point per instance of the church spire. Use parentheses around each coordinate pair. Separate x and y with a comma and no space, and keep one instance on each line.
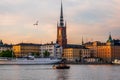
(82,40)
(1,43)
(61,16)
(110,41)
(61,30)
(110,38)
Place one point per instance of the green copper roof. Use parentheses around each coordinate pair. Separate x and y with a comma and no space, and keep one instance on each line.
(109,39)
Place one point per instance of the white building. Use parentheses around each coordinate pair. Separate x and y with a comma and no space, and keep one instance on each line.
(54,49)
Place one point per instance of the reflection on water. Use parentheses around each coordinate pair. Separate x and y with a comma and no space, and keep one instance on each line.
(62,74)
(45,72)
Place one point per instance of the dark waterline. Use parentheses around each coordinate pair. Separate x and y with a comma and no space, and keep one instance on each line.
(45,72)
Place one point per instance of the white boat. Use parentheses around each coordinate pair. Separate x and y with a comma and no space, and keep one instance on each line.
(25,61)
(116,61)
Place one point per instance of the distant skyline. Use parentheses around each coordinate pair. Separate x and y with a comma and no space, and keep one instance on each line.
(91,19)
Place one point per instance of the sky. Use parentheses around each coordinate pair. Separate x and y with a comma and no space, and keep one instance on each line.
(93,20)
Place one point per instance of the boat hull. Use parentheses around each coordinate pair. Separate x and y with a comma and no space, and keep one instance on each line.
(41,61)
(116,61)
(65,67)
(61,67)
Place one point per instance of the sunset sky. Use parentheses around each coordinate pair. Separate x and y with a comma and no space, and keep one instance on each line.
(92,19)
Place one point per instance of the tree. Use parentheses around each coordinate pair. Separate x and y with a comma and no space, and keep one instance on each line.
(7,53)
(46,54)
(35,54)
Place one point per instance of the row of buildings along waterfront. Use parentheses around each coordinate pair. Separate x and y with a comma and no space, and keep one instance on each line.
(107,51)
(26,49)
(88,52)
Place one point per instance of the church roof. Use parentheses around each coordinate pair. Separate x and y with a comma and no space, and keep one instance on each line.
(110,39)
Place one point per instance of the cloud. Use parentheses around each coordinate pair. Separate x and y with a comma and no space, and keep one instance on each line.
(92,19)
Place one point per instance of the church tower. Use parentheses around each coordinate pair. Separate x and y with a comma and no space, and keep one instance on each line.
(61,30)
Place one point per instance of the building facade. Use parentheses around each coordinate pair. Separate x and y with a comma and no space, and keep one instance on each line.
(54,49)
(106,51)
(25,49)
(61,30)
(76,54)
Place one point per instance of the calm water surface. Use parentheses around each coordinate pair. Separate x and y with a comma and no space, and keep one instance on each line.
(45,72)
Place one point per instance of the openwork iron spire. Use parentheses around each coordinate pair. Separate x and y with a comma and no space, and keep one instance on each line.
(61,16)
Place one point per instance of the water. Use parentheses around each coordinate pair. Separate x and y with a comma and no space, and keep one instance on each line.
(45,72)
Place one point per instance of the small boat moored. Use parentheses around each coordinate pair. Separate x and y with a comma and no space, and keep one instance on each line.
(116,61)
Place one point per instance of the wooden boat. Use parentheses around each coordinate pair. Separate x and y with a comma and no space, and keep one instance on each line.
(61,66)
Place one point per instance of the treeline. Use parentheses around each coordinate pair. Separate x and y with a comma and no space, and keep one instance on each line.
(7,53)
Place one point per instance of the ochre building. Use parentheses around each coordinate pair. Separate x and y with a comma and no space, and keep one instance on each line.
(73,54)
(24,49)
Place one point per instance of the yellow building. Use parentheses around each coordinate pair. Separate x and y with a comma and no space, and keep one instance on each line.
(106,51)
(24,49)
(73,54)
